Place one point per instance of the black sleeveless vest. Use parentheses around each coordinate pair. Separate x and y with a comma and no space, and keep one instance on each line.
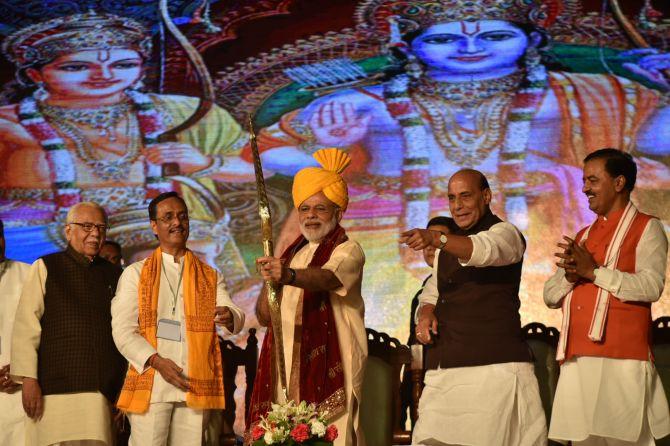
(77,352)
(477,312)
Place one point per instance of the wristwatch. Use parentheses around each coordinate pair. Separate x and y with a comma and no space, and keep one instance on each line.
(443,241)
(291,279)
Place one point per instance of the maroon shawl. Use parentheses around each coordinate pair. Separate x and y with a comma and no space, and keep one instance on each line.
(318,376)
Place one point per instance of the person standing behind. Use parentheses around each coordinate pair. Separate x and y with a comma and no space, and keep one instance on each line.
(111,251)
(163,321)
(62,346)
(443,225)
(608,392)
(480,387)
(12,416)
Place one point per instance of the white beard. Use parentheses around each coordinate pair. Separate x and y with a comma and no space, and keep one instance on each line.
(316,235)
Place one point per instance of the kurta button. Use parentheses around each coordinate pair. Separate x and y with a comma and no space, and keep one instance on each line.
(579,307)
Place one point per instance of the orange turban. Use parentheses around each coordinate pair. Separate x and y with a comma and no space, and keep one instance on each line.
(326,179)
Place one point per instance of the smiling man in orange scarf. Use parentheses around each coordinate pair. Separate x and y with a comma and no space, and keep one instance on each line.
(319,274)
(163,322)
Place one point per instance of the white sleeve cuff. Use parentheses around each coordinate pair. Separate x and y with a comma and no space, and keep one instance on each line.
(607,279)
(140,360)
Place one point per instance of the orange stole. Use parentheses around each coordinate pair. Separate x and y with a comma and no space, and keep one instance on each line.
(627,326)
(205,368)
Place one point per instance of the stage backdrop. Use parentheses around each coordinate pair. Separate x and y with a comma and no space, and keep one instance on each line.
(412,90)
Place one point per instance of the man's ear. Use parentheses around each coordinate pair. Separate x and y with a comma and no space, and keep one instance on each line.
(339,213)
(68,232)
(487,196)
(154,227)
(619,183)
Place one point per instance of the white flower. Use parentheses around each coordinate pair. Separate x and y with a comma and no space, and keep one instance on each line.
(267,438)
(280,435)
(318,428)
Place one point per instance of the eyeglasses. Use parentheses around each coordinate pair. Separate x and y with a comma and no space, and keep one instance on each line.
(88,227)
(167,218)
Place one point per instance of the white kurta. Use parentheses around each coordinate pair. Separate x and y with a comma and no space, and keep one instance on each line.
(125,329)
(67,417)
(346,262)
(606,397)
(496,404)
(12,416)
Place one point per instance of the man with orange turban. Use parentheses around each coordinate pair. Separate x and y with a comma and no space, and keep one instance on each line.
(319,277)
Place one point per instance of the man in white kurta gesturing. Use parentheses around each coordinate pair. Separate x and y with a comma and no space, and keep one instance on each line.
(480,386)
(320,274)
(163,322)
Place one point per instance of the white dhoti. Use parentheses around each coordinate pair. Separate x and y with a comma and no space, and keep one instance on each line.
(12,419)
(619,400)
(12,416)
(167,424)
(496,404)
(70,417)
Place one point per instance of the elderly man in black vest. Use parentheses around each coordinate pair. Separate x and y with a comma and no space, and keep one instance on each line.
(480,388)
(62,345)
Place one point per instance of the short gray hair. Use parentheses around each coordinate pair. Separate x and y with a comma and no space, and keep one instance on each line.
(84,204)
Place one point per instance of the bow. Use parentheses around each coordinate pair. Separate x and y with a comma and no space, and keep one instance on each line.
(628,27)
(204,79)
(632,32)
(268,250)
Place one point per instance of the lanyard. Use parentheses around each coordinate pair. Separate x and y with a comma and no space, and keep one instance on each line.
(174,294)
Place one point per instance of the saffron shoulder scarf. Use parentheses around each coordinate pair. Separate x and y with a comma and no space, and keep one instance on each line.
(205,368)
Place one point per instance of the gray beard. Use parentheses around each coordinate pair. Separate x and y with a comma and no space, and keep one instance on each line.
(317,236)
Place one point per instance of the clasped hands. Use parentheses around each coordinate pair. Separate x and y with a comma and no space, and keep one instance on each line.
(576,260)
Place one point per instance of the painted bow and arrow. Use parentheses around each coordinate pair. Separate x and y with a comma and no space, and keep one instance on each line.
(206,101)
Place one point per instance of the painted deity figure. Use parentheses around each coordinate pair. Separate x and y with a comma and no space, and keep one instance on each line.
(89,133)
(475,93)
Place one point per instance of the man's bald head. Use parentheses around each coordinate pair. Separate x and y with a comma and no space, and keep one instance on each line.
(469,197)
(472,175)
(75,211)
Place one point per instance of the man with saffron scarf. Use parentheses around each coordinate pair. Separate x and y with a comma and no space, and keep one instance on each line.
(163,321)
(609,392)
(319,275)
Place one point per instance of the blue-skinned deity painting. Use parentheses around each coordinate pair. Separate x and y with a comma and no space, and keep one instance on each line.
(414,90)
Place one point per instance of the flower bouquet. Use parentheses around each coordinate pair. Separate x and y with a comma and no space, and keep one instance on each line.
(291,425)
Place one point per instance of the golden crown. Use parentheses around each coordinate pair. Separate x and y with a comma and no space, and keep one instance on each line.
(412,15)
(43,42)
